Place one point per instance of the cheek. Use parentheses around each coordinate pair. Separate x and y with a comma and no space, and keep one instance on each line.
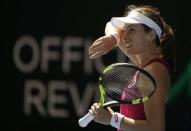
(141,43)
(138,47)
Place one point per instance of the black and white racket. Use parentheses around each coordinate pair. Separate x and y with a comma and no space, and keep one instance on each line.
(124,83)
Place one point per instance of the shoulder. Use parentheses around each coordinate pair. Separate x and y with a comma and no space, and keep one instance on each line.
(157,70)
(161,76)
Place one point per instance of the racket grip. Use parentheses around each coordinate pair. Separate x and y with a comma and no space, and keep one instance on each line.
(84,121)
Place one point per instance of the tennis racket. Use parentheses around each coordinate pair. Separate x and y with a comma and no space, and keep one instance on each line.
(123,83)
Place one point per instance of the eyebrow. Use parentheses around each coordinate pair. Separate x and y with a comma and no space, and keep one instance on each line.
(128,26)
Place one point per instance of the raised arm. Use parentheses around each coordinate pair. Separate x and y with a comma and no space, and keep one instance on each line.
(105,44)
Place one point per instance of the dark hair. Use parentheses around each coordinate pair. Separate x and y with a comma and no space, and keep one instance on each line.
(165,42)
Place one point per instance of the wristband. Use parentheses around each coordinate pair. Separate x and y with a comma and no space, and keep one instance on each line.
(116,36)
(116,120)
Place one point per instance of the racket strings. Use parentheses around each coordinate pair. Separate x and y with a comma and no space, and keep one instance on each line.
(126,84)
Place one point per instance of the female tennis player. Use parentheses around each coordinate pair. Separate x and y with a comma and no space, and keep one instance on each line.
(146,39)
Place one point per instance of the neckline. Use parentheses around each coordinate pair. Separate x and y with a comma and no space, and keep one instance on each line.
(160,60)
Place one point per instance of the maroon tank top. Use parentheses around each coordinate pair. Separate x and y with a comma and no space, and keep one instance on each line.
(137,111)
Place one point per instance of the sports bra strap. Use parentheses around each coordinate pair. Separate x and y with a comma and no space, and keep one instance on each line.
(160,60)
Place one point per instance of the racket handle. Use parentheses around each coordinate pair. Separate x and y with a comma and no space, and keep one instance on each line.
(84,121)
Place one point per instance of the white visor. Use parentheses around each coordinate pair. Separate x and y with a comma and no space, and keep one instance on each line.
(135,17)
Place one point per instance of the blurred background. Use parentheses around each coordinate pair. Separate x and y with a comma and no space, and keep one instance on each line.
(47,79)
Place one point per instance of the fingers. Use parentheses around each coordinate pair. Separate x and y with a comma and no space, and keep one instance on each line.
(94,108)
(98,54)
(102,46)
(98,45)
(95,47)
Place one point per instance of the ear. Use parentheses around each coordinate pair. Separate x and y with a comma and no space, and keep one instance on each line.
(151,35)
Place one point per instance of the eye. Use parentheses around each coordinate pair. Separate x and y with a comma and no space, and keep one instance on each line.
(130,29)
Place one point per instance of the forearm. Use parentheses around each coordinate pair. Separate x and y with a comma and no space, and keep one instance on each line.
(140,125)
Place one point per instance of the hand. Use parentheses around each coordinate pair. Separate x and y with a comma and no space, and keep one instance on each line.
(102,46)
(101,115)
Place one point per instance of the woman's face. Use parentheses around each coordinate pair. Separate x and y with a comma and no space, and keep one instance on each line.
(134,40)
